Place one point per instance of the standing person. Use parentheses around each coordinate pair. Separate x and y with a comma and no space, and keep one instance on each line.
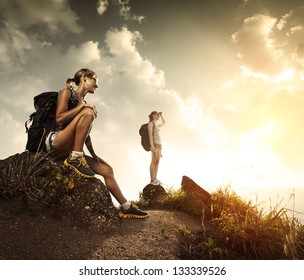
(74,121)
(156,146)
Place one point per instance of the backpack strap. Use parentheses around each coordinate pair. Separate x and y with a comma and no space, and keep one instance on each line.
(26,124)
(73,102)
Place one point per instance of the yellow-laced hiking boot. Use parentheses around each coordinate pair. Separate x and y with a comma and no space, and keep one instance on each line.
(80,166)
(132,213)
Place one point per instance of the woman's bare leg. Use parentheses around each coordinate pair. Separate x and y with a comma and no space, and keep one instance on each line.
(158,155)
(73,136)
(106,171)
(154,164)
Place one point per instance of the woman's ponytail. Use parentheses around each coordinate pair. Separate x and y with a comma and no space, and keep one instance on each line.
(70,82)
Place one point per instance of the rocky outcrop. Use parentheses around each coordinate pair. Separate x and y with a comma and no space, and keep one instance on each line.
(198,199)
(154,194)
(39,180)
(190,198)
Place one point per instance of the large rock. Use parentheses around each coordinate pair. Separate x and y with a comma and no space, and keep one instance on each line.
(199,200)
(154,194)
(40,181)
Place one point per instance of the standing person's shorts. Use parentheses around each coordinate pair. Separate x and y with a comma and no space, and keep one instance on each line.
(158,146)
(49,141)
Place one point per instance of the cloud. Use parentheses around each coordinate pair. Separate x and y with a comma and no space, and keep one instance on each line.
(292,28)
(27,29)
(124,9)
(13,134)
(256,48)
(4,53)
(85,54)
(292,21)
(55,15)
(102,6)
(271,48)
(270,115)
(130,87)
(300,51)
(121,45)
(142,83)
(286,113)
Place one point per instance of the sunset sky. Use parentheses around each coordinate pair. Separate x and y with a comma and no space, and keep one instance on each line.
(228,76)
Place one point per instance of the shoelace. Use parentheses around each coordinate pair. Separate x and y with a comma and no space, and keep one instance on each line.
(84,162)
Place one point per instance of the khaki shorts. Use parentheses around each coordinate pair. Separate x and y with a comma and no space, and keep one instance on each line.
(158,146)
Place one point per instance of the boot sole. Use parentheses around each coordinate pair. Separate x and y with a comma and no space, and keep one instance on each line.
(77,171)
(131,216)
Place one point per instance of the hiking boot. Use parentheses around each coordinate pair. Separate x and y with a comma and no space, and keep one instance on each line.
(132,213)
(155,182)
(80,166)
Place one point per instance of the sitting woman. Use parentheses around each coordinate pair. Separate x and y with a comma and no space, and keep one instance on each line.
(74,120)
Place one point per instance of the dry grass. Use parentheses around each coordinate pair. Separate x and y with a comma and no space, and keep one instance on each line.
(38,181)
(239,230)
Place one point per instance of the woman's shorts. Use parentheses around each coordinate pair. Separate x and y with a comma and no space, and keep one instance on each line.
(158,146)
(49,141)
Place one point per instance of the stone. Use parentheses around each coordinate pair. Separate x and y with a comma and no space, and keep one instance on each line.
(198,199)
(39,180)
(154,193)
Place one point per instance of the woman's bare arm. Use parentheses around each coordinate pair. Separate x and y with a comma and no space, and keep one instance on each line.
(63,115)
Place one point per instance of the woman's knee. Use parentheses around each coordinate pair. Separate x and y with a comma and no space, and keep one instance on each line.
(88,111)
(108,171)
(155,159)
(87,118)
(156,162)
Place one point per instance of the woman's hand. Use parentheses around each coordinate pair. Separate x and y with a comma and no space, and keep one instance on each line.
(93,107)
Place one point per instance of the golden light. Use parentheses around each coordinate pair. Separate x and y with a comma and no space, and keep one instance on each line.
(270,126)
(284,76)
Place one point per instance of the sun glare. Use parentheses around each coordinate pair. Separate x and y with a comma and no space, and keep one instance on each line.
(269,128)
(284,76)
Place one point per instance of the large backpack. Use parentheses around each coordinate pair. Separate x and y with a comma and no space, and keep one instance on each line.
(43,120)
(144,133)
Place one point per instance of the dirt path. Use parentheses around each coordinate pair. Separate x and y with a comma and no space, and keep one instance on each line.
(37,236)
(152,238)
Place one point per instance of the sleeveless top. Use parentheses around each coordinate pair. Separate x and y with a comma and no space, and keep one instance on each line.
(73,103)
(156,136)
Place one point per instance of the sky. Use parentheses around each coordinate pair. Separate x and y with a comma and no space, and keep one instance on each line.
(228,76)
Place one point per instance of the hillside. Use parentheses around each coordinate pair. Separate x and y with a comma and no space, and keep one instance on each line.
(48,212)
(28,235)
